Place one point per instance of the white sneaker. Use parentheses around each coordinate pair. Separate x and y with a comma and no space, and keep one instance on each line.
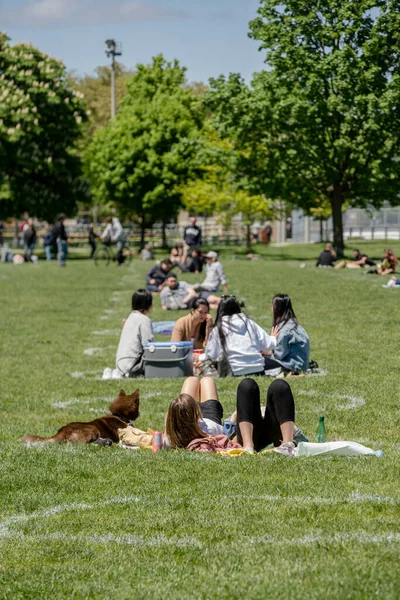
(286,448)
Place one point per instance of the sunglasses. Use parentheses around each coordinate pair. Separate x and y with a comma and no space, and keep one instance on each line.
(228,296)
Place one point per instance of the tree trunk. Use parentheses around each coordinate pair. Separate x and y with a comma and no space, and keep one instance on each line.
(248,238)
(336,200)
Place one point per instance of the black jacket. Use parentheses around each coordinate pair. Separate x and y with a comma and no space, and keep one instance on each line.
(192,235)
(59,232)
(157,274)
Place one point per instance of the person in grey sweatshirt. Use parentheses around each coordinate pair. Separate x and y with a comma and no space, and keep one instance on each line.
(137,331)
(292,350)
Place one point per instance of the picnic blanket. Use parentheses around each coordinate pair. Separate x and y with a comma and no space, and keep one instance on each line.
(163,327)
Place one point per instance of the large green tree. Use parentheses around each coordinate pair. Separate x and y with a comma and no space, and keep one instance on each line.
(97,92)
(139,159)
(41,118)
(323,122)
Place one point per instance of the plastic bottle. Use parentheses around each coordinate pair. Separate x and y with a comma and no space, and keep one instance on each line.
(321,431)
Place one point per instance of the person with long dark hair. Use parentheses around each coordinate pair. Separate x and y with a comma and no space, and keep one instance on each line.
(136,332)
(194,326)
(292,350)
(238,340)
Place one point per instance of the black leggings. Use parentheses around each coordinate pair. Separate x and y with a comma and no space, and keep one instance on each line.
(271,363)
(279,409)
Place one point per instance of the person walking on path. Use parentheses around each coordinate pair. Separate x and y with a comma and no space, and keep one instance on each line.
(92,239)
(48,241)
(30,238)
(61,238)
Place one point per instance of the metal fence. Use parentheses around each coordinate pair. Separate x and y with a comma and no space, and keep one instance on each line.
(367,224)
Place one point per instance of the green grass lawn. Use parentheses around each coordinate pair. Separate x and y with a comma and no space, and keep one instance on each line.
(91,522)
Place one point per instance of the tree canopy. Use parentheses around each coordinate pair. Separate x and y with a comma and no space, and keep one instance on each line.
(138,159)
(41,118)
(322,123)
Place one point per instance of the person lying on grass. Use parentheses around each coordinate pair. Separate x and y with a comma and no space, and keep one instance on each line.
(195,416)
(292,350)
(359,261)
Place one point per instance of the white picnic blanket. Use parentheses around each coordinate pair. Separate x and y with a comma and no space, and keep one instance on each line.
(342,448)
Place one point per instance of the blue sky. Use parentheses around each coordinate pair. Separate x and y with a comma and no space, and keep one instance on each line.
(209,37)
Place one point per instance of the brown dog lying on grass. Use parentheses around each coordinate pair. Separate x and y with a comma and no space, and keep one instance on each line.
(103,431)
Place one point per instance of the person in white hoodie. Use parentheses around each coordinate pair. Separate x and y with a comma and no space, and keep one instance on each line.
(238,340)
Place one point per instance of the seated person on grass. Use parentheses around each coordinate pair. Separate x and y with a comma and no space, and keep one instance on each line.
(196,415)
(177,295)
(215,275)
(388,264)
(327,256)
(359,261)
(195,326)
(238,340)
(137,331)
(146,253)
(157,275)
(292,349)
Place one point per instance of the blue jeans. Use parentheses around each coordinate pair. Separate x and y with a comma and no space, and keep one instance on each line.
(28,251)
(62,252)
(152,288)
(47,250)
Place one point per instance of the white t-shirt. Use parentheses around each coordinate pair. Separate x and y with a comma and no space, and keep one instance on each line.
(210,427)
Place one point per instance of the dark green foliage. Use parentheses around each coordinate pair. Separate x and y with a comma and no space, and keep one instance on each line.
(323,121)
(140,157)
(40,121)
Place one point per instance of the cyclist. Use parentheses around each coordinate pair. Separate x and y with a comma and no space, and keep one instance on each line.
(114,234)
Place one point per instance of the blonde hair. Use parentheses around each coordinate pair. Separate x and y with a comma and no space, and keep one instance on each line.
(329,248)
(182,421)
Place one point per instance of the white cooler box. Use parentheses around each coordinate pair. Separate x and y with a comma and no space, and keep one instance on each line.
(168,359)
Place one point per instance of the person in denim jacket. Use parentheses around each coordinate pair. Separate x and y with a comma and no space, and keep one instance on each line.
(292,350)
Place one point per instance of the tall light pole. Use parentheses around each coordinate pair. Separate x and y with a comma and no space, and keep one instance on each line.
(113,50)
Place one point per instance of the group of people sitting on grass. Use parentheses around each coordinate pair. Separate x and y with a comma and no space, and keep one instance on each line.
(195,418)
(387,265)
(234,340)
(180,295)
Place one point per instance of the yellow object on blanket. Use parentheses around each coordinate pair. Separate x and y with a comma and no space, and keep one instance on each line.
(233,452)
(131,436)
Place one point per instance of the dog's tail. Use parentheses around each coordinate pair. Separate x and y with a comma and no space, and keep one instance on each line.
(35,438)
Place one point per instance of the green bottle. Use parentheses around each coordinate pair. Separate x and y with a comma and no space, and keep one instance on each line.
(321,431)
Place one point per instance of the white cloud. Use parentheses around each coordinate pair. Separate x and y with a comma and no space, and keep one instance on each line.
(49,10)
(60,13)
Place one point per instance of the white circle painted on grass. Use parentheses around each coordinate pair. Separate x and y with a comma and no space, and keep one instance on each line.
(352,402)
(107,332)
(88,374)
(97,351)
(10,527)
